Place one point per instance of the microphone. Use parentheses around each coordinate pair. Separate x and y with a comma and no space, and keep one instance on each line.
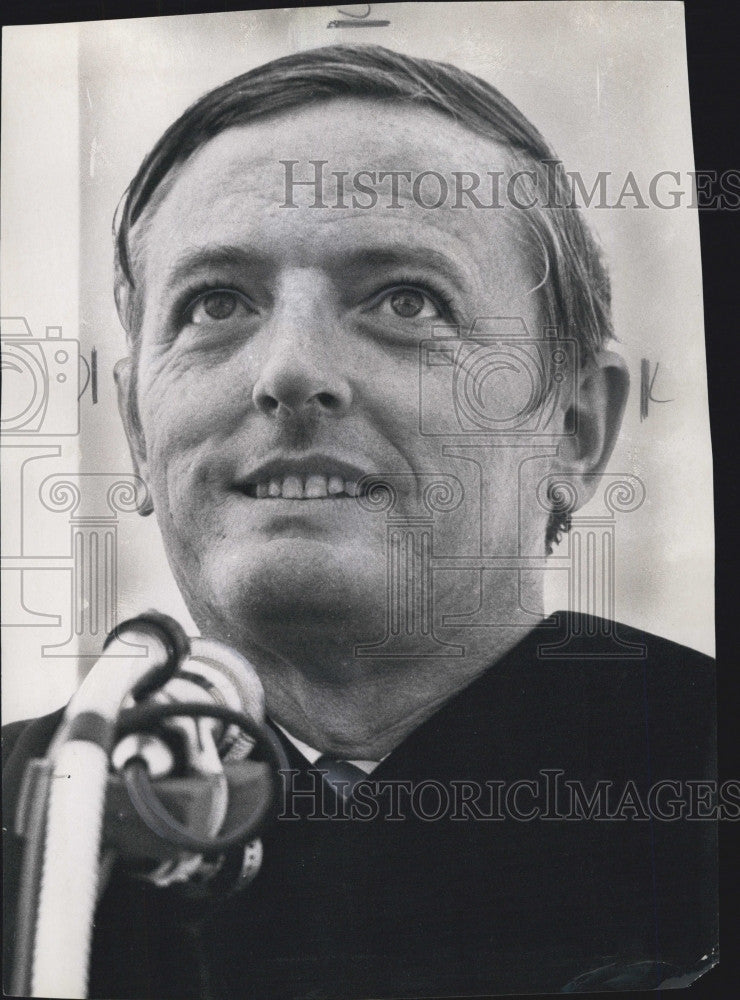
(198,712)
(213,673)
(224,674)
(61,820)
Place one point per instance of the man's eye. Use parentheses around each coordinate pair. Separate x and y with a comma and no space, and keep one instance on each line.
(217,305)
(409,303)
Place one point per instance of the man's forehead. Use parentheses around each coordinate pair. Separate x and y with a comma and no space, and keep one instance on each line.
(255,171)
(353,133)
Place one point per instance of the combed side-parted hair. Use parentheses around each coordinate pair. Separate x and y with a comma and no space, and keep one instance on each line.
(573,281)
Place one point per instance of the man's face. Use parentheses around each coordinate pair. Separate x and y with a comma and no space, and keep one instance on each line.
(280,363)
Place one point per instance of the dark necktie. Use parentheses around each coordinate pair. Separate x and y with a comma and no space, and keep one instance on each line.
(340,775)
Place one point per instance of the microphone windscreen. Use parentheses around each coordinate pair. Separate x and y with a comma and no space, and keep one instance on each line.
(231,680)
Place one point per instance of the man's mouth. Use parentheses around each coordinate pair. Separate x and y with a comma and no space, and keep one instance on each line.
(304,477)
(312,487)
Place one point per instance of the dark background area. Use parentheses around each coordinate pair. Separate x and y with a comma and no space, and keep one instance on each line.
(712,33)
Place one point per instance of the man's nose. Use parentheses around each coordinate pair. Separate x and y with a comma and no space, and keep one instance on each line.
(304,369)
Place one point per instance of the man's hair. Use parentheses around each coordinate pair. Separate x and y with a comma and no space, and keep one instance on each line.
(574,285)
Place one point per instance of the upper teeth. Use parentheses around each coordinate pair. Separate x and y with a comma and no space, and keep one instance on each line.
(311,487)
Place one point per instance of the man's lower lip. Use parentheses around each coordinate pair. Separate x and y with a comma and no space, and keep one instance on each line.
(270,501)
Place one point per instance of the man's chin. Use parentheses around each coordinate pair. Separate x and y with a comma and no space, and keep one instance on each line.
(298,584)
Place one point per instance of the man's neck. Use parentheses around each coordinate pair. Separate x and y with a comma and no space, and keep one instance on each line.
(362,708)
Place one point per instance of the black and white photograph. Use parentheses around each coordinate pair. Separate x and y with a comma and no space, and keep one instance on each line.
(358,537)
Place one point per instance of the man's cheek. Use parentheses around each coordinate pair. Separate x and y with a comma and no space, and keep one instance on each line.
(171,484)
(187,377)
(177,420)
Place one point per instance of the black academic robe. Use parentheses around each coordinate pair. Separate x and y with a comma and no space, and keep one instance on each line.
(466,895)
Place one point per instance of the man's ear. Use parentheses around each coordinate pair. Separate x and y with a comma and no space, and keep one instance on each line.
(595,416)
(123,373)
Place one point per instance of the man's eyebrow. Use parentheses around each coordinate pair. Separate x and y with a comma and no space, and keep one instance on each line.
(217,255)
(357,259)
